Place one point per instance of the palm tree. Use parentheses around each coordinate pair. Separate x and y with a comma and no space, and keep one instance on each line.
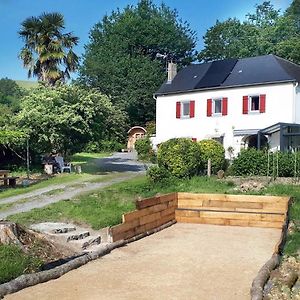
(47,53)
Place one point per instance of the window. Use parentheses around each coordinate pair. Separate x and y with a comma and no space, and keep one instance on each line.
(217,106)
(185,109)
(254,103)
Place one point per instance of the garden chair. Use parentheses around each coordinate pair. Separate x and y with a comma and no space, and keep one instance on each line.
(62,165)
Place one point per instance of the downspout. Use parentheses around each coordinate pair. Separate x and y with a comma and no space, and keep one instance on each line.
(294,102)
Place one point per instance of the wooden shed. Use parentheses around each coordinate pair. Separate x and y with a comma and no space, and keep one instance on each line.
(135,133)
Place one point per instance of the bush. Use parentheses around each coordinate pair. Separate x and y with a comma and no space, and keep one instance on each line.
(255,162)
(143,146)
(250,162)
(211,149)
(179,156)
(144,149)
(158,174)
(103,146)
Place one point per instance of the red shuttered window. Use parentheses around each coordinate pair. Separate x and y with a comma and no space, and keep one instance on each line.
(185,109)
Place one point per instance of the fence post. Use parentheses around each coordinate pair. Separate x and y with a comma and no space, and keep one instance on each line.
(209,167)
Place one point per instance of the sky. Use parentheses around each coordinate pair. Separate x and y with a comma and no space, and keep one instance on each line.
(82,15)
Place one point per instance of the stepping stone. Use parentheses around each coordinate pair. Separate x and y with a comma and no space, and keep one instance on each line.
(53,228)
(88,241)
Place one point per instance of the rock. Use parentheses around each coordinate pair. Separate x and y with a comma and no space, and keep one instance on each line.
(220,174)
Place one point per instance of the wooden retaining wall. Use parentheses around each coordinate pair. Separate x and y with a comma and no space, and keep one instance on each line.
(218,209)
(151,213)
(234,210)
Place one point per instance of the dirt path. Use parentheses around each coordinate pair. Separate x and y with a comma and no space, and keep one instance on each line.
(123,165)
(185,261)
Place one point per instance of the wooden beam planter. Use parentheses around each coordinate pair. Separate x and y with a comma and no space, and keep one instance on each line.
(151,213)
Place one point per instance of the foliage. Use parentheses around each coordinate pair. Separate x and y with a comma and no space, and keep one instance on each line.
(10,95)
(14,262)
(64,118)
(104,145)
(263,32)
(47,48)
(121,57)
(151,127)
(255,162)
(213,150)
(156,174)
(12,137)
(143,147)
(180,156)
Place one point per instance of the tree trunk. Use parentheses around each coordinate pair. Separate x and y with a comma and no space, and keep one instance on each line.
(9,233)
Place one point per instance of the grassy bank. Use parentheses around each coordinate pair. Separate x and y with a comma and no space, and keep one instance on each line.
(105,207)
(14,262)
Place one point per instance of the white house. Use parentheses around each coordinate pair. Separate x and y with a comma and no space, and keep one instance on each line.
(239,102)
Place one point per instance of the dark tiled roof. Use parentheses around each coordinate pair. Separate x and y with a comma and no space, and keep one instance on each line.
(232,72)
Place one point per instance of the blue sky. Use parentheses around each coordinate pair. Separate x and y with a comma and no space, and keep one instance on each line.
(80,16)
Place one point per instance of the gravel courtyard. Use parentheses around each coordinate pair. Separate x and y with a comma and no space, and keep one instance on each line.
(185,261)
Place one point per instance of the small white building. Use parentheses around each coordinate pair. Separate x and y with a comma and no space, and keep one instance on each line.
(242,103)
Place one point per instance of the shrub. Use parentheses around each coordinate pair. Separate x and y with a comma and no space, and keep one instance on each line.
(158,174)
(211,149)
(250,162)
(103,146)
(143,146)
(179,156)
(255,162)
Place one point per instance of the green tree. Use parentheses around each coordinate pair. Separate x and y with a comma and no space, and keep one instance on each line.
(47,49)
(10,95)
(121,57)
(65,118)
(263,32)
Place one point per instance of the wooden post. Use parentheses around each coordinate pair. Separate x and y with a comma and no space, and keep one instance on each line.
(209,167)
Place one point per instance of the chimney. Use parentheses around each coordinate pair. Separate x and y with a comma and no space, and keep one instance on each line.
(172,71)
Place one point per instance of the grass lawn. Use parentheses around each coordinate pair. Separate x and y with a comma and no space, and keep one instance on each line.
(14,262)
(85,160)
(105,207)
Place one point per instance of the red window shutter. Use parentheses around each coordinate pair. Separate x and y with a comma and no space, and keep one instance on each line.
(245,105)
(192,109)
(224,106)
(262,103)
(209,107)
(194,139)
(178,107)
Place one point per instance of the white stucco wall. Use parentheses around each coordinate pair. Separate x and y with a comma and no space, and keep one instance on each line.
(279,108)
